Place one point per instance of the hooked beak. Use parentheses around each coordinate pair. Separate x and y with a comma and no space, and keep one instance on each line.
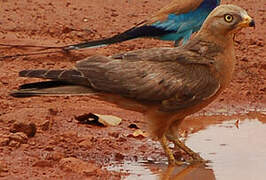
(247,21)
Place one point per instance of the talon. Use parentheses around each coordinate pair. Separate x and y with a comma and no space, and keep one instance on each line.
(197,157)
(180,163)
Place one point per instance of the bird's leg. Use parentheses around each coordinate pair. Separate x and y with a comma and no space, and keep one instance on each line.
(195,156)
(172,136)
(168,152)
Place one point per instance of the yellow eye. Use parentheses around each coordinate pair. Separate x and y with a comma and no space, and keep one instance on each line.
(228,18)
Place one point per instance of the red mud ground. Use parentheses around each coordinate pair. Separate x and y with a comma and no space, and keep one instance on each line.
(59,136)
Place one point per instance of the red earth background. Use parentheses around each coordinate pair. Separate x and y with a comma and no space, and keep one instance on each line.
(59,136)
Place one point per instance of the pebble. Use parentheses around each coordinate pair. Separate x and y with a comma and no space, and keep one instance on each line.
(45,126)
(19,137)
(78,166)
(43,163)
(4,141)
(86,144)
(28,128)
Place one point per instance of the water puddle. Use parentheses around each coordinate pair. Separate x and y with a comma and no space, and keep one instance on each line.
(235,153)
(135,170)
(235,146)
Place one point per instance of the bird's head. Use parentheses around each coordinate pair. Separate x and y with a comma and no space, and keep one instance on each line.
(226,20)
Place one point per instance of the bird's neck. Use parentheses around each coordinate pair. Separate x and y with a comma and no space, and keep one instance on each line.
(226,62)
(222,40)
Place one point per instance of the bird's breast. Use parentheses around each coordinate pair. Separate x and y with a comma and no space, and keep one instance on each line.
(225,65)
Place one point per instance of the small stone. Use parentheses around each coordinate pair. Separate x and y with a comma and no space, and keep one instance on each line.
(3,167)
(43,163)
(49,148)
(32,143)
(45,126)
(14,144)
(19,137)
(119,157)
(86,144)
(24,146)
(114,134)
(28,128)
(78,166)
(4,141)
(53,111)
(56,156)
(70,134)
(53,142)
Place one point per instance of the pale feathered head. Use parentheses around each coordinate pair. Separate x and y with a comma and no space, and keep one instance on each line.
(226,19)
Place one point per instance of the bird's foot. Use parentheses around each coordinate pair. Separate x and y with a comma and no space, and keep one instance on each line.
(174,162)
(196,157)
(171,159)
(180,163)
(193,155)
(197,161)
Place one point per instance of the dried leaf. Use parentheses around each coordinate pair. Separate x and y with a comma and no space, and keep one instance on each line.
(138,134)
(109,120)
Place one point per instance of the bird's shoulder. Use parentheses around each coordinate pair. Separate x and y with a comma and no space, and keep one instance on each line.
(195,52)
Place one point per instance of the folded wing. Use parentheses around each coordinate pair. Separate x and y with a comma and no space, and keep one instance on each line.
(155,78)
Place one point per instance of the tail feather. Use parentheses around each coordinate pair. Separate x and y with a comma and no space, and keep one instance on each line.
(135,32)
(49,88)
(70,76)
(50,74)
(43,85)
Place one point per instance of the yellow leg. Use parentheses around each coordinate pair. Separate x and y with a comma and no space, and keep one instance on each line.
(168,152)
(172,136)
(195,156)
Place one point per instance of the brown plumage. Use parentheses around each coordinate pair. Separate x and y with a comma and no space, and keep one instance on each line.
(165,84)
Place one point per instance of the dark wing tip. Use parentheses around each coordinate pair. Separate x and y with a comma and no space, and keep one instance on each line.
(22,94)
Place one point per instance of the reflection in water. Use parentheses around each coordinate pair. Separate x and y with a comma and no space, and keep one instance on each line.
(135,170)
(191,172)
(236,153)
(152,171)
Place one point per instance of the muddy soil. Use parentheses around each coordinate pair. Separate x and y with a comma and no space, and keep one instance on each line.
(54,144)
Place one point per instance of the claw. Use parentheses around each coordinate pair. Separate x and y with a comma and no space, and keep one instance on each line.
(195,156)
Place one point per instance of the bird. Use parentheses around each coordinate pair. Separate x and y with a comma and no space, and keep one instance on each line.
(174,22)
(165,84)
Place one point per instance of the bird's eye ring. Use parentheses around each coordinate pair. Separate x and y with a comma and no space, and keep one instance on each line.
(228,18)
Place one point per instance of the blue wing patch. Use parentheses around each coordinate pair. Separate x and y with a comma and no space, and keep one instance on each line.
(183,25)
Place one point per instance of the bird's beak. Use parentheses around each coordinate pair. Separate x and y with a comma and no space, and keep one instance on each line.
(247,21)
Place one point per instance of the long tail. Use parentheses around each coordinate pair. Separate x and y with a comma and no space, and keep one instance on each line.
(50,88)
(135,32)
(70,76)
(62,82)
